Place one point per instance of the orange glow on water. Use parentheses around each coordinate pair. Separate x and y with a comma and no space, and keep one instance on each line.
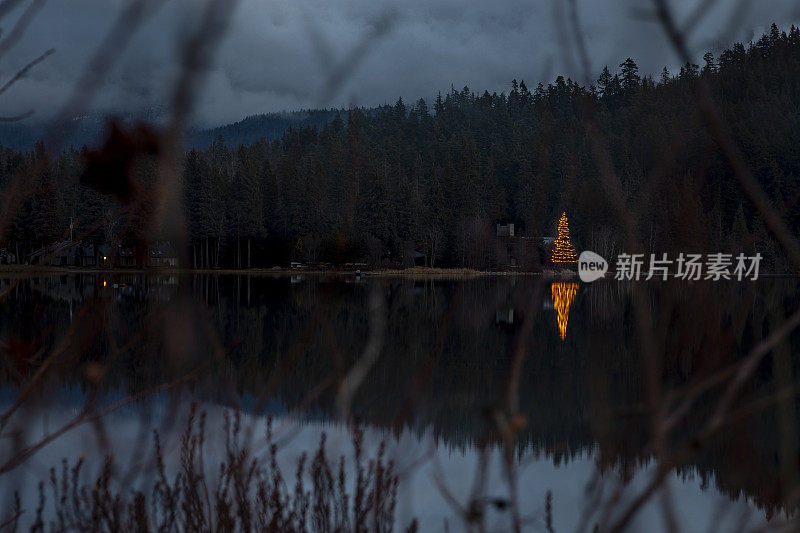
(563,293)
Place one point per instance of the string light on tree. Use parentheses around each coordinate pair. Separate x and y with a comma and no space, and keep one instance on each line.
(563,251)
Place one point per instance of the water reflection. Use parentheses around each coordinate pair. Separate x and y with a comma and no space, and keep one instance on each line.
(563,293)
(447,353)
(419,453)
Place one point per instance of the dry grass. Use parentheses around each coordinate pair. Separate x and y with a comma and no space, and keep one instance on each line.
(563,273)
(246,494)
(431,273)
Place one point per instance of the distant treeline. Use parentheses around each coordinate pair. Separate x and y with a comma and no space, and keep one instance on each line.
(268,126)
(397,182)
(91,128)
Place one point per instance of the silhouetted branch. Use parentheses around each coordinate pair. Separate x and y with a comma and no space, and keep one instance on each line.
(116,41)
(22,24)
(24,70)
(86,417)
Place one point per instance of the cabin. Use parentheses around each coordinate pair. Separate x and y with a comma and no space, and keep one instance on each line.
(105,256)
(505,230)
(85,255)
(62,253)
(7,257)
(126,257)
(162,255)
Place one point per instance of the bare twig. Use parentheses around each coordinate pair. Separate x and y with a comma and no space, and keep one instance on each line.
(19,28)
(85,417)
(24,70)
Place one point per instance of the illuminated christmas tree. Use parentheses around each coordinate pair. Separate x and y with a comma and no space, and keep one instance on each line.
(563,251)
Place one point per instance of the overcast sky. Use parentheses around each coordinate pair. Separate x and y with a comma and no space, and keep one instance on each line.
(280,54)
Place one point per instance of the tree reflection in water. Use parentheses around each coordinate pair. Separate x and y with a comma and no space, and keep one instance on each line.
(269,346)
(563,293)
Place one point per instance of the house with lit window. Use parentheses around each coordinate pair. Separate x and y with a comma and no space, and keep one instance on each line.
(105,256)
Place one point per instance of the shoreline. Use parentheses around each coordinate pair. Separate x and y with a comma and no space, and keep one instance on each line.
(412,272)
(415,273)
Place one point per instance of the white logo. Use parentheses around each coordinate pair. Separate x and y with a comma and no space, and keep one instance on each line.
(591,266)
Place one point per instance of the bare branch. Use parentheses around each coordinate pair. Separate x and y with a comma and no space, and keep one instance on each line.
(22,72)
(19,28)
(84,417)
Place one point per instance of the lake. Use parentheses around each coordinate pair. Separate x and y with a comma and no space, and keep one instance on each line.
(500,402)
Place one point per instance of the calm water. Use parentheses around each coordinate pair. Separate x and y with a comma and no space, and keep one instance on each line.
(561,379)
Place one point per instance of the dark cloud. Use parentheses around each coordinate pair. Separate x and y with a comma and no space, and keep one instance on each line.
(281,54)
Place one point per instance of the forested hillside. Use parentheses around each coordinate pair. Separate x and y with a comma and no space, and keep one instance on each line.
(384,183)
(268,126)
(89,129)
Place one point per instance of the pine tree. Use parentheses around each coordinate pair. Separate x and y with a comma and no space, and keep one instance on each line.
(665,77)
(630,75)
(711,65)
(604,81)
(422,108)
(438,106)
(563,251)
